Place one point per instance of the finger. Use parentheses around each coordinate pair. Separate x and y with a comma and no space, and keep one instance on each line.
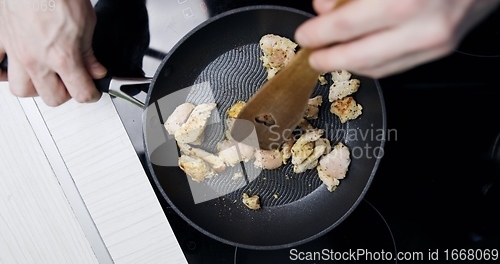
(96,69)
(3,74)
(377,49)
(323,6)
(77,79)
(403,64)
(19,81)
(51,89)
(350,21)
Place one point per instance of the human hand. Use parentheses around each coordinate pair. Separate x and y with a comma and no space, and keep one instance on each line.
(377,38)
(50,50)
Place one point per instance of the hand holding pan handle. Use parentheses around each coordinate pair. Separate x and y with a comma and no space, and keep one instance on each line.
(108,84)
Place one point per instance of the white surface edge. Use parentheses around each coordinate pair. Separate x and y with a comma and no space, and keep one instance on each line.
(65,180)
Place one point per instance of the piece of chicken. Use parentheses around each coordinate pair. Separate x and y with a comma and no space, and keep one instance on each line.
(346,109)
(215,161)
(268,159)
(324,142)
(229,124)
(278,51)
(286,149)
(341,89)
(322,79)
(196,167)
(311,161)
(192,130)
(235,109)
(341,75)
(232,152)
(330,182)
(178,117)
(321,147)
(312,109)
(305,145)
(334,165)
(252,202)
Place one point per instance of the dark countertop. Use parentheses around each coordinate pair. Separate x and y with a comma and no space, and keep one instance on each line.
(437,185)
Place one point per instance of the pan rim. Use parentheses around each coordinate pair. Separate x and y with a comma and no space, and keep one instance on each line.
(188,220)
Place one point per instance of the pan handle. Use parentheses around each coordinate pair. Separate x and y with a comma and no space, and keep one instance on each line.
(113,85)
(108,84)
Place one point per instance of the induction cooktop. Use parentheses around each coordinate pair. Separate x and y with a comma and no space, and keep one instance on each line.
(438,185)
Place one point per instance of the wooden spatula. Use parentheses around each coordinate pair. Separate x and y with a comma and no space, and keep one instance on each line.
(278,106)
(276,109)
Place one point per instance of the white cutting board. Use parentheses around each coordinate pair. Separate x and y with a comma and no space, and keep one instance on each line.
(72,189)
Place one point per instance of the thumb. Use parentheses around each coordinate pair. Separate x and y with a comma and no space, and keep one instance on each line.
(93,66)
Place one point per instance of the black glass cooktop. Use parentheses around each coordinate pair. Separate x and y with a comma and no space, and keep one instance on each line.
(438,185)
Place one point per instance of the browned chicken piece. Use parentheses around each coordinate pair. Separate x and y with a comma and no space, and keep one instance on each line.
(325,142)
(322,79)
(229,125)
(178,117)
(268,159)
(215,161)
(192,130)
(286,149)
(231,151)
(305,145)
(252,202)
(301,150)
(330,182)
(321,147)
(312,109)
(278,51)
(340,76)
(235,109)
(311,161)
(195,167)
(341,89)
(346,109)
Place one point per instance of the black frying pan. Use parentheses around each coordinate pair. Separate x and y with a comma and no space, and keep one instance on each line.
(221,59)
